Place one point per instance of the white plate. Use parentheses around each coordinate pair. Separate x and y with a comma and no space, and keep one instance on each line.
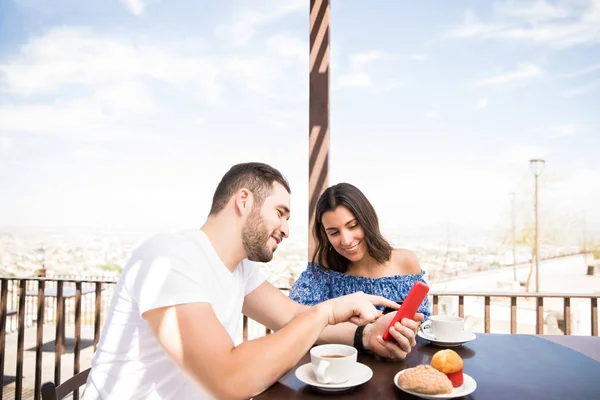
(362,374)
(465,338)
(469,385)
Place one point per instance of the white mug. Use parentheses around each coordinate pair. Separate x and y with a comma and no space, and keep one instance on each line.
(333,363)
(443,328)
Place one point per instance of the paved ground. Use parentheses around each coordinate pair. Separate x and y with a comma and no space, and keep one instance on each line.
(67,359)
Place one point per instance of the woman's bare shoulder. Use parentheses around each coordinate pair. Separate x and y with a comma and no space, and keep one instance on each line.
(405,262)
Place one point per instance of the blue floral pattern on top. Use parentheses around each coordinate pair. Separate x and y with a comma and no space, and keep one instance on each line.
(327,284)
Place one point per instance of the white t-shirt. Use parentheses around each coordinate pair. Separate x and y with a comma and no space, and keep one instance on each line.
(165,270)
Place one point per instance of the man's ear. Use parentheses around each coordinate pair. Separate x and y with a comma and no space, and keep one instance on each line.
(243,201)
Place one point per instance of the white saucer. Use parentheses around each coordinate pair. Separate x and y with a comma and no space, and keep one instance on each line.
(469,385)
(362,374)
(464,338)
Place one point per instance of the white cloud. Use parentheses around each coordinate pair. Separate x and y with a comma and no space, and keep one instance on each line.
(81,120)
(419,57)
(583,89)
(246,21)
(99,83)
(522,154)
(524,71)
(359,61)
(538,11)
(356,79)
(584,183)
(287,45)
(80,56)
(135,6)
(103,87)
(564,130)
(360,74)
(482,103)
(5,145)
(159,113)
(582,72)
(560,25)
(254,73)
(432,115)
(473,27)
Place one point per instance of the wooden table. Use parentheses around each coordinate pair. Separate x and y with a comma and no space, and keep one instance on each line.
(506,367)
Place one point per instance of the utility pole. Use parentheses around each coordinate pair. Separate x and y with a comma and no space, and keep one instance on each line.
(514,250)
(537,166)
(584,240)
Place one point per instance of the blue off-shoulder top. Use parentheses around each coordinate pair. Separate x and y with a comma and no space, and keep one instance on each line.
(327,284)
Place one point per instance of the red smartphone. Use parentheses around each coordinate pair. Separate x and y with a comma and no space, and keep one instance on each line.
(409,307)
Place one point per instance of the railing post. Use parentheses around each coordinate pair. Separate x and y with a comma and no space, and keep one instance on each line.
(3,311)
(486,316)
(513,314)
(539,324)
(567,315)
(58,340)
(594,307)
(20,338)
(39,342)
(97,314)
(77,344)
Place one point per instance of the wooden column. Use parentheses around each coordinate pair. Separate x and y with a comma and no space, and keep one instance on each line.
(318,109)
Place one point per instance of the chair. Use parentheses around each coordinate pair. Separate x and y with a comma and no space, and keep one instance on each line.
(52,392)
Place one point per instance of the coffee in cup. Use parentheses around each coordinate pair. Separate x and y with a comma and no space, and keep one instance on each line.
(333,363)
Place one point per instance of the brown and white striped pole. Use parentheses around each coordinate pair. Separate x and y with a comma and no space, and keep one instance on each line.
(318,109)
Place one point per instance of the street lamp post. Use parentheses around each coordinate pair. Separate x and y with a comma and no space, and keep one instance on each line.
(537,166)
(584,239)
(514,250)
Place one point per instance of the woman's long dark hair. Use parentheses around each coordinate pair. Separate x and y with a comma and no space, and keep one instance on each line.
(349,196)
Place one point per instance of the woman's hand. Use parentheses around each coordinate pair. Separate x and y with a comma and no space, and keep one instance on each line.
(403,333)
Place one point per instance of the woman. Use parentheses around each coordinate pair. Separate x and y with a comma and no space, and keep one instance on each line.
(351,254)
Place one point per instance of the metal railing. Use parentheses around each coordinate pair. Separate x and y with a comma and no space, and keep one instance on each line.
(80,303)
(539,308)
(25,302)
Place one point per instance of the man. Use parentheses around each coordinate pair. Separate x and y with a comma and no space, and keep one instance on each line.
(172,320)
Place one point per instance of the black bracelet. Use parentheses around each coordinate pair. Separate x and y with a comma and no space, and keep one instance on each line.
(358,342)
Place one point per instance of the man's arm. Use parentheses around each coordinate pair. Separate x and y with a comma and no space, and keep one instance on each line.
(282,309)
(194,338)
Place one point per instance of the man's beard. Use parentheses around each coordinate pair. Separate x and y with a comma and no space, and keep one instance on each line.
(254,238)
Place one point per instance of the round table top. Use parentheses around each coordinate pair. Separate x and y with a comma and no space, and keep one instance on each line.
(504,366)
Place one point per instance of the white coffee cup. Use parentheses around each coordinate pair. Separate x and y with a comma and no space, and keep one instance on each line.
(333,363)
(443,328)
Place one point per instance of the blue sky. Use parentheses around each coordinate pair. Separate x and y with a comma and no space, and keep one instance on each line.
(126,113)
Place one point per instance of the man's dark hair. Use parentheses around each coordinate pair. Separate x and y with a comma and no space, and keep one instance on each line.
(345,194)
(258,178)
